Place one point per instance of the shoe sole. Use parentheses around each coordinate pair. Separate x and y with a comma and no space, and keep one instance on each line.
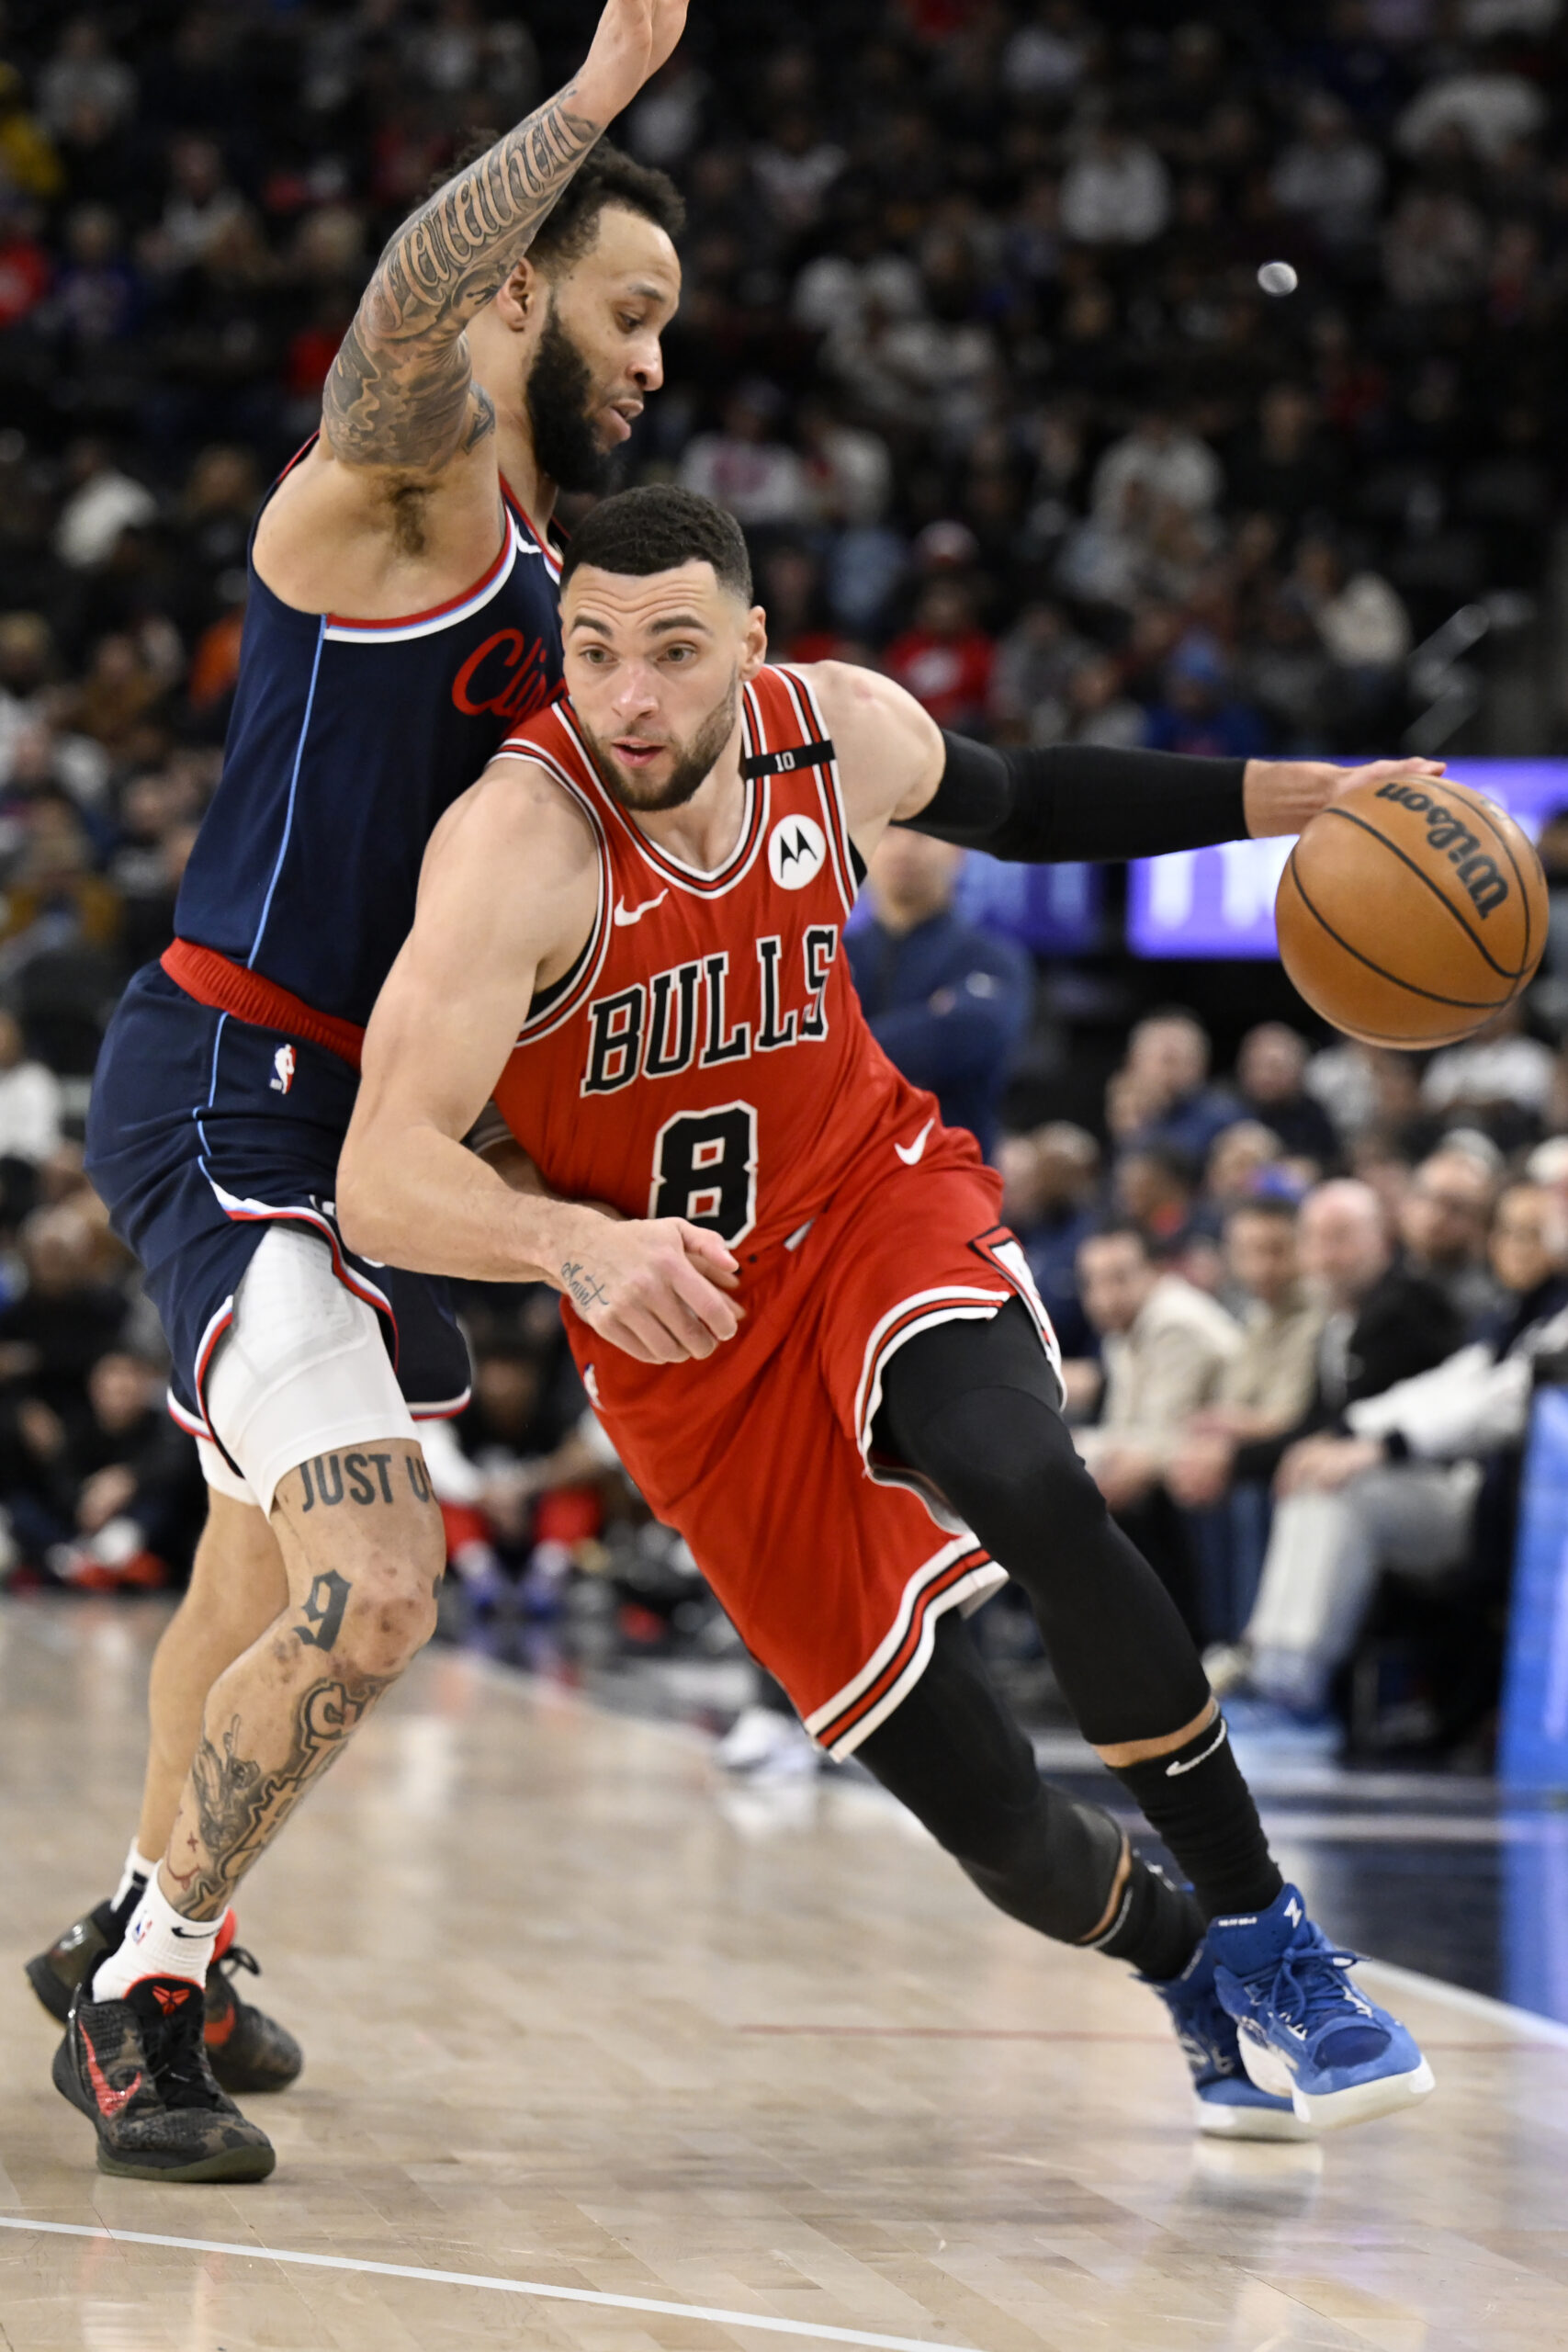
(227,2165)
(56,1997)
(1250,2123)
(1364,2102)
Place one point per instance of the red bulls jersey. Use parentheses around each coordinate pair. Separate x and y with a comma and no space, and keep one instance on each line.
(708,1059)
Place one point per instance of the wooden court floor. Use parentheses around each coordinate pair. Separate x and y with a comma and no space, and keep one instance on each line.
(601,2059)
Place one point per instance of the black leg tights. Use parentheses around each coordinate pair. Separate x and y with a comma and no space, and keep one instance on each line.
(954,1755)
(972,1407)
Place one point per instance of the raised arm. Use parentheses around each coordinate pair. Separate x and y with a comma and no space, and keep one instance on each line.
(400,393)
(1066,802)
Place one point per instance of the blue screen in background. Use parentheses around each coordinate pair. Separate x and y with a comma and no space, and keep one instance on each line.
(1221,902)
(1053,909)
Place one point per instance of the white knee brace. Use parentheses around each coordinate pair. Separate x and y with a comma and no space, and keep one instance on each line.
(302,1369)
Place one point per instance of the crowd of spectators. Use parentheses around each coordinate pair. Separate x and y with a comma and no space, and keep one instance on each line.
(1302,1315)
(973,341)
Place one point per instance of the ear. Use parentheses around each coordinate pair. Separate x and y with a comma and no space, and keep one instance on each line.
(754,643)
(520,302)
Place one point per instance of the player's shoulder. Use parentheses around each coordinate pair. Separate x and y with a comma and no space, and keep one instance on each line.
(520,818)
(863,704)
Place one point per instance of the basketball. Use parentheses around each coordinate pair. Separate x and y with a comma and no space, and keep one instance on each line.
(1410,912)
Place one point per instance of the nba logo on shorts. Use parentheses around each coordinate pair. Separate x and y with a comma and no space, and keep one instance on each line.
(283,1070)
(795,852)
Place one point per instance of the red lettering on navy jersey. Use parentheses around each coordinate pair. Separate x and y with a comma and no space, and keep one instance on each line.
(507,674)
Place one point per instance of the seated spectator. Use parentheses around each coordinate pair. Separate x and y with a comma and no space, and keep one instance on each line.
(1115,191)
(1500,1070)
(1397,1484)
(1266,1388)
(1270,1080)
(1050,1179)
(1240,1158)
(1382,1322)
(1098,709)
(1163,1347)
(948,1003)
(1161,1093)
(1168,462)
(1328,175)
(30,1099)
(1199,713)
(1443,1223)
(758,477)
(1155,1187)
(109,1497)
(945,660)
(66,1317)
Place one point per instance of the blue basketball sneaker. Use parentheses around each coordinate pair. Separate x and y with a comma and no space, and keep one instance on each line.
(1229,2104)
(1305,2030)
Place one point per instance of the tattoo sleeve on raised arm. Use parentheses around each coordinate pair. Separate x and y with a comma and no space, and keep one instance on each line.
(399,393)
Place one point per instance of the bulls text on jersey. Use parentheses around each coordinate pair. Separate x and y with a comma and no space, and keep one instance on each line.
(699,1015)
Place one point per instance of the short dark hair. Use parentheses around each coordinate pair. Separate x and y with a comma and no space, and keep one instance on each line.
(1279,1206)
(606,177)
(658,529)
(1121,1228)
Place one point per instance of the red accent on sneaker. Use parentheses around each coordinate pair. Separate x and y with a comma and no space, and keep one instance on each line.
(227,1929)
(168,1999)
(109,2102)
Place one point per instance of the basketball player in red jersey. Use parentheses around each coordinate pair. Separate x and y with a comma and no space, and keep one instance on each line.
(814,1346)
(507,339)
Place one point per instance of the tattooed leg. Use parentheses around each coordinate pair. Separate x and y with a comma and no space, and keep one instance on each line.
(363,1549)
(237,1588)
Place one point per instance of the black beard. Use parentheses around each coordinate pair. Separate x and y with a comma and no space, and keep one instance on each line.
(694,763)
(559,396)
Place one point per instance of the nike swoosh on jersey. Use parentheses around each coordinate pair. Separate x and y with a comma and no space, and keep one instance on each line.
(909,1152)
(624,914)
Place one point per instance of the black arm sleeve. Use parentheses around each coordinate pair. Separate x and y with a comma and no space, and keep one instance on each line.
(1073,801)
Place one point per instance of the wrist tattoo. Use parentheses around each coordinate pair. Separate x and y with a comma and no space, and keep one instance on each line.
(585,1289)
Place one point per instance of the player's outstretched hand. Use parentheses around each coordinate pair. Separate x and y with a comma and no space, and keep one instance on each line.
(634,40)
(1284,795)
(654,1286)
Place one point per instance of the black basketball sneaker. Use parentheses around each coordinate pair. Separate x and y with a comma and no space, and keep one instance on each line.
(138,2069)
(248,2051)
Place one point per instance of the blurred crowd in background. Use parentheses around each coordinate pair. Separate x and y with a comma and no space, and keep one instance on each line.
(973,341)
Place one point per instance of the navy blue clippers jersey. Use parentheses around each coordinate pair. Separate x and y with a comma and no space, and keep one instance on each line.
(348,742)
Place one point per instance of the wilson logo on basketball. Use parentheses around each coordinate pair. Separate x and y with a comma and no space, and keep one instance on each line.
(1482,880)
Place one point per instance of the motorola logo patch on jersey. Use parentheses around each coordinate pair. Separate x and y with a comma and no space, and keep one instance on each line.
(796,850)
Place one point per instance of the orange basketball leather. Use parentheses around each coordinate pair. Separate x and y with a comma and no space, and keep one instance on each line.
(1409,914)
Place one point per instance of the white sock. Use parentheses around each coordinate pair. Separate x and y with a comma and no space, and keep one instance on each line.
(158,1942)
(138,1871)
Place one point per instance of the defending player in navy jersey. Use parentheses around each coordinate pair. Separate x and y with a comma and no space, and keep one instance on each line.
(402,618)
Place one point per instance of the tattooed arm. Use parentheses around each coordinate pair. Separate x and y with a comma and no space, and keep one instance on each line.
(400,393)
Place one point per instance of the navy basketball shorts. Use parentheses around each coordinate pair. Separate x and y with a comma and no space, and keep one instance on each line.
(205,1135)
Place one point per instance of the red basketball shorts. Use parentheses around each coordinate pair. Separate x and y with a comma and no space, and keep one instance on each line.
(832,1567)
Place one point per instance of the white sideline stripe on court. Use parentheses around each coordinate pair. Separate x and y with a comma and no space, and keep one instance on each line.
(1528,2022)
(495,2286)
